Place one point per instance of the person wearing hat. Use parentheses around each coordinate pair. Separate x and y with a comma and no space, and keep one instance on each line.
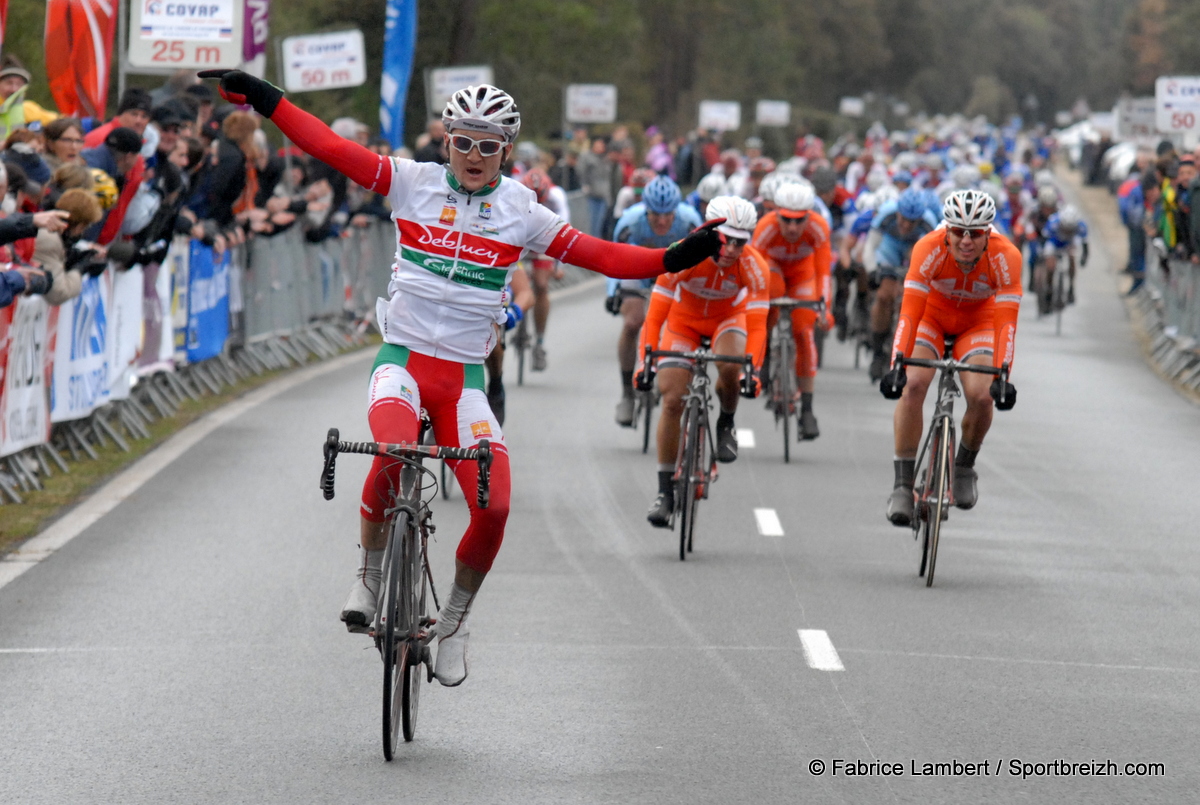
(15,111)
(120,157)
(133,112)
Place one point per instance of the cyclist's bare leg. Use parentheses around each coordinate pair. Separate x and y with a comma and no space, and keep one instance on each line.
(672,384)
(729,375)
(909,421)
(885,300)
(541,301)
(633,313)
(372,536)
(976,390)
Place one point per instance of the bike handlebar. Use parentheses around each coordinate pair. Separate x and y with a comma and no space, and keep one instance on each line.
(407,450)
(787,303)
(956,365)
(699,355)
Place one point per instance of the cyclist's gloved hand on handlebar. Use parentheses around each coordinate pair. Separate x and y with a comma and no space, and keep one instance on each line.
(242,88)
(1003,389)
(644,380)
(613,304)
(893,382)
(751,384)
(513,314)
(699,244)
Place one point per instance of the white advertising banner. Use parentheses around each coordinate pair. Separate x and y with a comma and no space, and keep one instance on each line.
(591,103)
(186,35)
(26,349)
(851,106)
(1136,118)
(82,352)
(1177,103)
(125,330)
(324,61)
(773,113)
(442,82)
(720,115)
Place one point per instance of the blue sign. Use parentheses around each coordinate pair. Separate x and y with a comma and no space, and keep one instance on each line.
(208,303)
(399,47)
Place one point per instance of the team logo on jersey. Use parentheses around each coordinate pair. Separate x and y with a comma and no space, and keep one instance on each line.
(406,393)
(485,210)
(450,199)
(484,229)
(447,217)
(481,429)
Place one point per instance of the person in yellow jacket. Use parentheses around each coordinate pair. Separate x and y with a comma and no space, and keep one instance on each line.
(15,111)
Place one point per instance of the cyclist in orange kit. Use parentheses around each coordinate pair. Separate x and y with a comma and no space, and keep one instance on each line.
(725,298)
(964,280)
(795,240)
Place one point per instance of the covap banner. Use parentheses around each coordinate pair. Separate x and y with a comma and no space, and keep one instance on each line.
(208,303)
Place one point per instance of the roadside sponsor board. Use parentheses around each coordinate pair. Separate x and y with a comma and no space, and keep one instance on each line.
(720,115)
(195,35)
(27,331)
(324,61)
(442,82)
(1177,103)
(773,113)
(1136,118)
(591,103)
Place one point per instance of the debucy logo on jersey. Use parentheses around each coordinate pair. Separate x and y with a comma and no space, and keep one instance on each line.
(445,243)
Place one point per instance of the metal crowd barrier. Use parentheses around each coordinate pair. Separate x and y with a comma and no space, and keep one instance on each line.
(1169,305)
(289,301)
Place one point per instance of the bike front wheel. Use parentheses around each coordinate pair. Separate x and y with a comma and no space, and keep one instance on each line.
(939,483)
(392,643)
(647,401)
(686,490)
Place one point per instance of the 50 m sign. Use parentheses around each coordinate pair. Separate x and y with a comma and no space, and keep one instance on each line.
(1177,103)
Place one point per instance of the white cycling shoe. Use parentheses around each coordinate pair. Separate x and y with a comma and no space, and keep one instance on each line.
(450,668)
(358,613)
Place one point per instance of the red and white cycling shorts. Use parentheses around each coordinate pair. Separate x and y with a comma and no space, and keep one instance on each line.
(402,383)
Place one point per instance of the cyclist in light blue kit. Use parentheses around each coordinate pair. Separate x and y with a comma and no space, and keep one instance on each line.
(897,226)
(1064,229)
(658,220)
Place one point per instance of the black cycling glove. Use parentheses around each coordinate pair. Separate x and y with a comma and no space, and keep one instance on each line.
(1004,393)
(242,88)
(893,383)
(644,380)
(700,244)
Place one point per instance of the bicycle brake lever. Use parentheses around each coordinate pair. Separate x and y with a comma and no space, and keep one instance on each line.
(327,473)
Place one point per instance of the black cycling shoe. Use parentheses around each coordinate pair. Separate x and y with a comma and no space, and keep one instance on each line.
(808,429)
(660,510)
(727,445)
(966,487)
(900,506)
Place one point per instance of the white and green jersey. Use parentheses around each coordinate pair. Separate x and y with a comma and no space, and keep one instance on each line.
(455,253)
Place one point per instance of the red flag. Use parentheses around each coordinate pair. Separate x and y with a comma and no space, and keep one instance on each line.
(3,21)
(79,50)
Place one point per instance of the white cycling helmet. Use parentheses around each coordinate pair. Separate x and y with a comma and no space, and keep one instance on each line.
(969,208)
(1069,218)
(877,178)
(1047,196)
(965,177)
(796,197)
(485,108)
(739,214)
(711,186)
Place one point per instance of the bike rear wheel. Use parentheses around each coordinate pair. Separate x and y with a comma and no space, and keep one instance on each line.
(940,484)
(1060,300)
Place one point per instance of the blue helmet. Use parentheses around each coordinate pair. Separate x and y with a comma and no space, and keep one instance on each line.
(902,176)
(661,195)
(911,205)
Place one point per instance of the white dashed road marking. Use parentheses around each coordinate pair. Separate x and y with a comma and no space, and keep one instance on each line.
(768,523)
(745,437)
(819,650)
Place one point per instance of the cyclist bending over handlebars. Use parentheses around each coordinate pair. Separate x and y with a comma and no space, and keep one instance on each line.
(725,299)
(460,230)
(964,280)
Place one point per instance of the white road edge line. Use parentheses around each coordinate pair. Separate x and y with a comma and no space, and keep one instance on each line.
(819,650)
(109,496)
(745,437)
(768,523)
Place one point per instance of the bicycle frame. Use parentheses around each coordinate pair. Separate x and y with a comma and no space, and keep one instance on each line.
(783,366)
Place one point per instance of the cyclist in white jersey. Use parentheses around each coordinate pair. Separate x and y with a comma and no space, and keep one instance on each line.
(460,230)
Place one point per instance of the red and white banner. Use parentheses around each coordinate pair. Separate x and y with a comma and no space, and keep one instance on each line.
(79,52)
(27,335)
(3,21)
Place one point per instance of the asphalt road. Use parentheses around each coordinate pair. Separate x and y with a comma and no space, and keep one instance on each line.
(186,648)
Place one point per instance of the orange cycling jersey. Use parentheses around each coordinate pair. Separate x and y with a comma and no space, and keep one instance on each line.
(804,267)
(941,298)
(707,295)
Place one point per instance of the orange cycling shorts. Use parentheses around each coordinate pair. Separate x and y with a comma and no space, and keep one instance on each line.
(682,333)
(974,330)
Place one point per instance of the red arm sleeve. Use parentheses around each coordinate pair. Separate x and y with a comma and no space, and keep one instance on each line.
(619,260)
(363,167)
(758,304)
